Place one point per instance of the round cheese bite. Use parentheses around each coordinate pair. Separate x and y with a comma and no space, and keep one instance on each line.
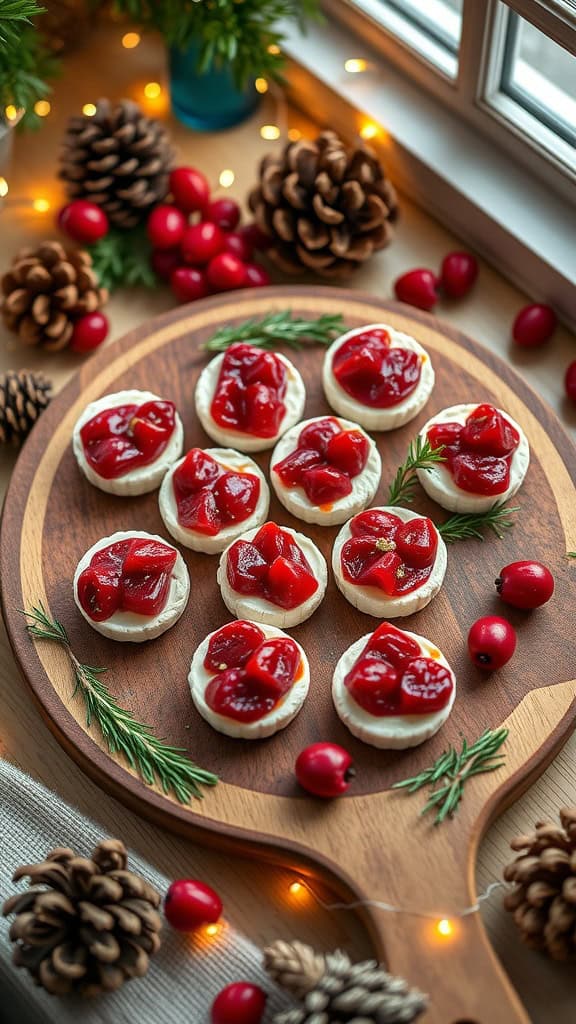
(326,469)
(131,586)
(389,561)
(125,442)
(377,376)
(487,457)
(247,398)
(249,680)
(272,575)
(393,689)
(211,496)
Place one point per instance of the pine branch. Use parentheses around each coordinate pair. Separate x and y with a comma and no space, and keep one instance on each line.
(278,328)
(421,455)
(452,770)
(462,527)
(122,259)
(145,753)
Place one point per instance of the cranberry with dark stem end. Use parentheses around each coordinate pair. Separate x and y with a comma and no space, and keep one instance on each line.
(325,769)
(525,585)
(491,642)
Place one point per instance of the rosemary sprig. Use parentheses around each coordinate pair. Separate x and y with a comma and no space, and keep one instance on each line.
(462,527)
(571,554)
(150,756)
(278,328)
(452,770)
(421,455)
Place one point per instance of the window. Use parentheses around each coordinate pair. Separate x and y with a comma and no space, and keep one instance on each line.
(432,29)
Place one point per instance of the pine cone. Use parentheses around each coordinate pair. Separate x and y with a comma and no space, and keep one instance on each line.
(327,206)
(119,159)
(93,927)
(336,991)
(23,396)
(543,900)
(45,291)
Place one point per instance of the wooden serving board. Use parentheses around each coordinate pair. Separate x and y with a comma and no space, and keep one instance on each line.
(372,843)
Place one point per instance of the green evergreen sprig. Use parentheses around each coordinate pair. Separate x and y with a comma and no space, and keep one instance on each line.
(122,259)
(14,15)
(464,526)
(25,61)
(449,774)
(421,455)
(571,554)
(145,753)
(278,329)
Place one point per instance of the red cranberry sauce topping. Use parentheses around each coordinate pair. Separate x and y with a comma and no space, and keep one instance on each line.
(250,391)
(392,677)
(210,497)
(271,566)
(121,439)
(387,553)
(128,576)
(479,452)
(324,461)
(253,673)
(372,372)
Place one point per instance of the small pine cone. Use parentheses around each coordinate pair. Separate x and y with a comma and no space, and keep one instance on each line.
(543,897)
(23,396)
(119,159)
(335,991)
(45,291)
(93,926)
(326,205)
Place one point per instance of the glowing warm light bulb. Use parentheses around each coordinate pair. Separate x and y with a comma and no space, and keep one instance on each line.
(152,90)
(296,888)
(294,134)
(41,205)
(261,85)
(42,108)
(369,130)
(270,132)
(11,112)
(226,178)
(130,40)
(89,109)
(3,187)
(445,928)
(355,65)
(274,49)
(212,930)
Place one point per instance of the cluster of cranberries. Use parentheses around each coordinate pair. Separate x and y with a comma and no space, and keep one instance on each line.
(86,223)
(197,243)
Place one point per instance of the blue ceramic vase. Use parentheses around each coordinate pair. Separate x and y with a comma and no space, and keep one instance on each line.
(207,102)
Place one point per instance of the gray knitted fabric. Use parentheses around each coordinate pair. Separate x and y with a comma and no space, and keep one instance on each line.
(183,979)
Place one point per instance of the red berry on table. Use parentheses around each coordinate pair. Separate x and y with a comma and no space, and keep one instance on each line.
(236,243)
(226,271)
(89,332)
(417,288)
(224,212)
(256,276)
(324,769)
(190,189)
(570,381)
(534,325)
(164,261)
(239,1003)
(458,273)
(189,904)
(201,242)
(525,584)
(491,642)
(255,237)
(165,227)
(83,221)
(188,284)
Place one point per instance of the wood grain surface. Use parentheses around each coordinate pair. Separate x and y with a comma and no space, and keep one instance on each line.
(56,515)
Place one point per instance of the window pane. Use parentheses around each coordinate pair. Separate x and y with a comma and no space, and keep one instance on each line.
(541,76)
(432,29)
(441,19)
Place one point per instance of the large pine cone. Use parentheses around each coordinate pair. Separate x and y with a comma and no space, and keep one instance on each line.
(45,291)
(23,396)
(543,899)
(326,206)
(119,159)
(91,928)
(334,991)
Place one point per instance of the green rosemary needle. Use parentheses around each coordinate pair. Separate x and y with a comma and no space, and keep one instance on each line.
(462,527)
(421,455)
(276,329)
(145,753)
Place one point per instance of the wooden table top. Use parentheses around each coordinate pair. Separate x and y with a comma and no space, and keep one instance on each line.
(256,898)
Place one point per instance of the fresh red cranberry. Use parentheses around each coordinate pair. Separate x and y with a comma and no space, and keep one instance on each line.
(417,288)
(189,904)
(89,332)
(164,262)
(534,325)
(188,284)
(165,227)
(491,642)
(224,212)
(570,381)
(201,242)
(83,221)
(225,272)
(256,276)
(239,1003)
(190,189)
(235,243)
(256,238)
(325,769)
(525,584)
(458,273)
